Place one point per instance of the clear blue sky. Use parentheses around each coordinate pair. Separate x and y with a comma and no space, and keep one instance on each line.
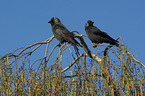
(24,22)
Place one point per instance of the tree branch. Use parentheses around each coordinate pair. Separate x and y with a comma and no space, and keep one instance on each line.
(45,42)
(86,49)
(72,63)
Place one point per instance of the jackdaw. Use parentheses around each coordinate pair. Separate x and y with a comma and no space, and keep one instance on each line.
(62,33)
(97,36)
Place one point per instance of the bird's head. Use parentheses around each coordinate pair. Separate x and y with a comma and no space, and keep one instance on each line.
(54,20)
(89,23)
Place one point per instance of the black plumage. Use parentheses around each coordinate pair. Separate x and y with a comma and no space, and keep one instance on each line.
(97,36)
(62,33)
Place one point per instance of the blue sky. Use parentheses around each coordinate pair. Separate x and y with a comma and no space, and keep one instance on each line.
(24,22)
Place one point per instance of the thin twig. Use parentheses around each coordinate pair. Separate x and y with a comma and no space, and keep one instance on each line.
(45,42)
(46,49)
(31,46)
(128,53)
(72,63)
(52,51)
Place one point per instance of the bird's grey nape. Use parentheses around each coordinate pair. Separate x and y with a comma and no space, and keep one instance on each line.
(89,23)
(56,20)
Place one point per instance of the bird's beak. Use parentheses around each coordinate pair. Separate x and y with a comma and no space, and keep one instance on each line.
(49,22)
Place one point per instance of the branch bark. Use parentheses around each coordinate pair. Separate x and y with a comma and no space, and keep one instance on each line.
(72,63)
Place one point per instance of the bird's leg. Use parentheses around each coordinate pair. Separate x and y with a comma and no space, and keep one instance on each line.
(60,44)
(94,45)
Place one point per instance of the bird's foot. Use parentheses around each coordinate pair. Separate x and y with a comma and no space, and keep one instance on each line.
(59,44)
(94,45)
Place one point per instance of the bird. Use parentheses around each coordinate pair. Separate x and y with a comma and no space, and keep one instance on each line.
(97,36)
(61,33)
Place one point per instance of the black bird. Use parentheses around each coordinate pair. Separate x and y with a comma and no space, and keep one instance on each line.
(97,36)
(62,33)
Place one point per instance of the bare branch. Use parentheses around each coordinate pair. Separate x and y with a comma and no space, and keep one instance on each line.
(87,50)
(128,53)
(45,42)
(51,51)
(72,63)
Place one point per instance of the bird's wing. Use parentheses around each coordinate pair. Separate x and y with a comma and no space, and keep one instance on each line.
(65,30)
(67,36)
(96,31)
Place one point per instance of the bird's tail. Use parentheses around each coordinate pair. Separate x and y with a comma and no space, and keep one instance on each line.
(115,42)
(76,49)
(75,43)
(77,52)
